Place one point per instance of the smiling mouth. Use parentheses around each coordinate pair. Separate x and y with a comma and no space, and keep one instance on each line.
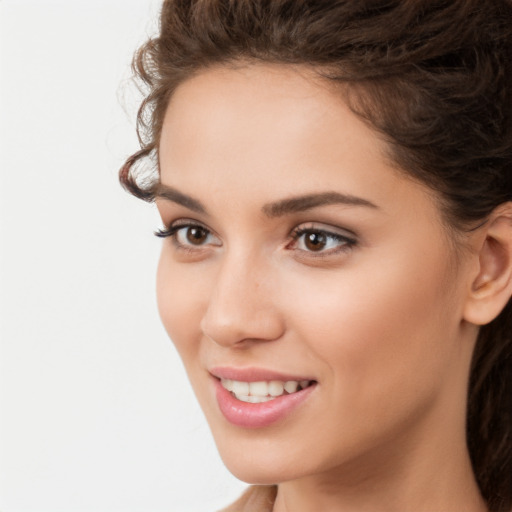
(263,391)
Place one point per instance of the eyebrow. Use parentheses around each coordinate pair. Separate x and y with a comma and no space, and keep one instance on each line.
(309,201)
(171,194)
(274,209)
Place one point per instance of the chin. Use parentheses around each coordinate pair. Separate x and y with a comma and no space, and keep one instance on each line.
(261,459)
(258,472)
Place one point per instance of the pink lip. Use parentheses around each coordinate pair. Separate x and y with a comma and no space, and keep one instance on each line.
(252,374)
(249,415)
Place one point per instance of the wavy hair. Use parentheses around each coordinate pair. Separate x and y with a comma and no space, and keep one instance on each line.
(434,77)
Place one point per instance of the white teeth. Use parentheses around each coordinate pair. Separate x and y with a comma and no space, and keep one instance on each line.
(258,388)
(291,386)
(254,399)
(261,391)
(240,388)
(275,388)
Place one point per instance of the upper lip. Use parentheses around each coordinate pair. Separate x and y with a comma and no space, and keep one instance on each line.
(253,374)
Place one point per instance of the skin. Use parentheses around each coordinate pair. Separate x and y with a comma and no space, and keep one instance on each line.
(381,324)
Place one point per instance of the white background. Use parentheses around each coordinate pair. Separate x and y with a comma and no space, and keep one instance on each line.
(96,413)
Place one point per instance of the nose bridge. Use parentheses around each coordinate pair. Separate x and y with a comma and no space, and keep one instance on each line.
(241,304)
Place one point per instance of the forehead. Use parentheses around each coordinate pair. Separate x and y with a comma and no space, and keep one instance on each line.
(258,115)
(256,102)
(263,132)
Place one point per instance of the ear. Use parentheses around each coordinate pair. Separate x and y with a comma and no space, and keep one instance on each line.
(491,284)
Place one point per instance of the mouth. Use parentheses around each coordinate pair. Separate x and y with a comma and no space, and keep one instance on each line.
(255,398)
(263,391)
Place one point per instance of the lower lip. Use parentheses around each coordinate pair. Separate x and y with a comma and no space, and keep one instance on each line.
(249,415)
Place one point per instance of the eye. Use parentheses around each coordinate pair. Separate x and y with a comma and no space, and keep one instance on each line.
(319,240)
(195,235)
(187,235)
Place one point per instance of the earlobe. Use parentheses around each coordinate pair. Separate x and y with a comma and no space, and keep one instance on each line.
(491,288)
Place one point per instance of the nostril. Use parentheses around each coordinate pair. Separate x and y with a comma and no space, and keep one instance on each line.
(242,326)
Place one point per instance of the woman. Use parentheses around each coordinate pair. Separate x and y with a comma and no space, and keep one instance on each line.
(334,180)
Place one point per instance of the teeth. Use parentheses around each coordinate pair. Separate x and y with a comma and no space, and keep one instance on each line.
(258,388)
(240,388)
(254,399)
(275,388)
(291,386)
(261,391)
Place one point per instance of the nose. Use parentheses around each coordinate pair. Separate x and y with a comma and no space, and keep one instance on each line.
(242,308)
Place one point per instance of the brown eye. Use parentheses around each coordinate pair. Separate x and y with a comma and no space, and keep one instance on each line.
(190,235)
(323,242)
(315,241)
(196,235)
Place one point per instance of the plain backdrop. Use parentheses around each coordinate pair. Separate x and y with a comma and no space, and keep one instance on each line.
(96,413)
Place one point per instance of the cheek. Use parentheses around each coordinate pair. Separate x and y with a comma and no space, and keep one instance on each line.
(382,331)
(179,304)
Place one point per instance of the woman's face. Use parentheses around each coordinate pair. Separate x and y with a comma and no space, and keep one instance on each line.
(296,252)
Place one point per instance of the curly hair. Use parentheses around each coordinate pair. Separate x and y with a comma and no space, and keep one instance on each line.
(434,77)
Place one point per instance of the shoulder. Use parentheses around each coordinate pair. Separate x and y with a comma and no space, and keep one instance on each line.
(257,498)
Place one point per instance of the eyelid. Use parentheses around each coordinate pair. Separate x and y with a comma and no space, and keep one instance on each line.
(346,239)
(170,230)
(325,228)
(173,226)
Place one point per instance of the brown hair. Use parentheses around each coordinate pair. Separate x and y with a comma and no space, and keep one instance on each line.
(434,77)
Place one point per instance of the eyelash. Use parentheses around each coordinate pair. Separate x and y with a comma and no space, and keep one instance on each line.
(173,230)
(344,242)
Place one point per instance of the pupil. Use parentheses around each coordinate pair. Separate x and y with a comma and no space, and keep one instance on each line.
(315,241)
(196,235)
